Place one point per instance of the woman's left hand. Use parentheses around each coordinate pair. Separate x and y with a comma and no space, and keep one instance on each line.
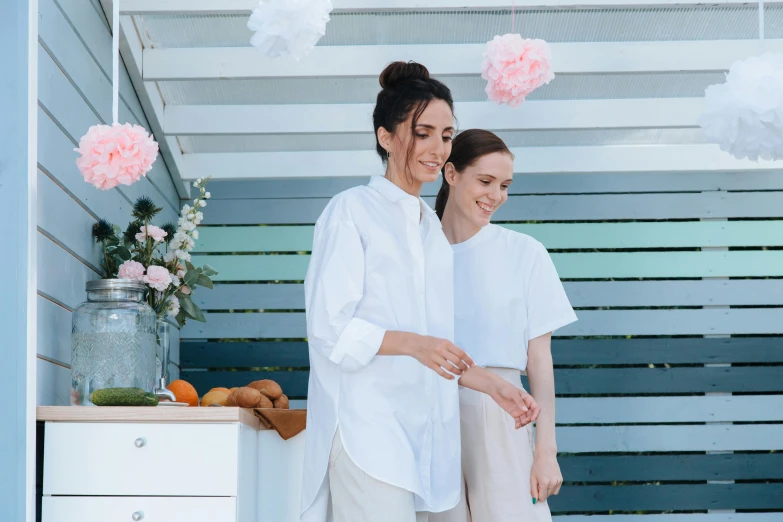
(545,479)
(517,403)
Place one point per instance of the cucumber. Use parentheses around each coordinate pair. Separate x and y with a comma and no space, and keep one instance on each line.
(123,397)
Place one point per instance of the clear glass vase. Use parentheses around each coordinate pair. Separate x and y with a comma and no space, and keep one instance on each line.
(112,339)
(165,327)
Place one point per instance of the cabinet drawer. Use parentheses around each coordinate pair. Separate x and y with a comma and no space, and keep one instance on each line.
(144,509)
(199,460)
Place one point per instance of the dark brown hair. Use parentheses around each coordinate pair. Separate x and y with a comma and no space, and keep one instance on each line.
(466,149)
(405,88)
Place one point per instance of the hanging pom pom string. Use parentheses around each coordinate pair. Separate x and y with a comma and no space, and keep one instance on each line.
(744,115)
(115,154)
(288,27)
(514,67)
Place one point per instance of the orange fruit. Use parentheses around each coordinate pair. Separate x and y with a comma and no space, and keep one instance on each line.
(184,392)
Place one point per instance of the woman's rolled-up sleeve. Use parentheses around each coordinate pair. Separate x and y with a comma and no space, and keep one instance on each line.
(334,285)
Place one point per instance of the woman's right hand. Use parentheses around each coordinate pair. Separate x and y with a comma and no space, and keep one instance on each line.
(441,356)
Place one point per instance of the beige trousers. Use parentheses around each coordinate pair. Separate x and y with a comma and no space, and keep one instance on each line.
(358,497)
(496,463)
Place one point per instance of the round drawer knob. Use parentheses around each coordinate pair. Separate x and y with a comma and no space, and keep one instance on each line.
(138,515)
(140,442)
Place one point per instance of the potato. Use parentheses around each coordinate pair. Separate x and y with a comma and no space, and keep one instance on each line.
(244,398)
(214,397)
(269,388)
(281,403)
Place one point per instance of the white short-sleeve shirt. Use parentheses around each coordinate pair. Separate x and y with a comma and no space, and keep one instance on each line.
(506,292)
(380,261)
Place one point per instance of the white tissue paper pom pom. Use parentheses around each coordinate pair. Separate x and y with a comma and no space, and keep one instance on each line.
(745,115)
(288,27)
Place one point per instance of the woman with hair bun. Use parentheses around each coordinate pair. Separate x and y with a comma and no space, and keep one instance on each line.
(382,441)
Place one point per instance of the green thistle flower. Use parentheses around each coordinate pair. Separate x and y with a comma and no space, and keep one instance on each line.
(170,230)
(130,233)
(102,231)
(144,209)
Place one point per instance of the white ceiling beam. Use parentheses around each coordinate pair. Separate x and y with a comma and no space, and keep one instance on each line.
(528,160)
(446,59)
(195,120)
(244,7)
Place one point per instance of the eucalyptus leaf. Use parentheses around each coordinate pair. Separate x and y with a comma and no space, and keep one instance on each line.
(191,278)
(191,309)
(204,281)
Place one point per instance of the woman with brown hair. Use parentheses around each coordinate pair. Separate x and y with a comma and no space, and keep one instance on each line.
(508,300)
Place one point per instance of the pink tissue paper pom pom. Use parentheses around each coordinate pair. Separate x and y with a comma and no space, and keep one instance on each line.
(514,68)
(131,270)
(115,154)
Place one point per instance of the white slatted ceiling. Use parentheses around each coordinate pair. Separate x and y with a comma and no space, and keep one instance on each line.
(395,27)
(553,25)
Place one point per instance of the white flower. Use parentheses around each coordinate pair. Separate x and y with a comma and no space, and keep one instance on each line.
(169,256)
(195,184)
(207,195)
(288,27)
(175,282)
(181,254)
(180,236)
(194,234)
(745,115)
(188,244)
(199,217)
(173,308)
(185,210)
(202,203)
(180,273)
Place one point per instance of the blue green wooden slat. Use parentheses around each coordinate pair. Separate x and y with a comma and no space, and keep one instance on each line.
(678,234)
(582,294)
(570,207)
(584,183)
(565,352)
(579,265)
(291,325)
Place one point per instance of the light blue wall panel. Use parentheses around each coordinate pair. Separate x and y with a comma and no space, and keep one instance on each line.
(74,54)
(17,220)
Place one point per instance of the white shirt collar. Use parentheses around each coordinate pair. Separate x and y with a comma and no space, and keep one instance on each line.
(397,195)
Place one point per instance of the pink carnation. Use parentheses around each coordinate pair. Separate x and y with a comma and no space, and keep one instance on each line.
(156,233)
(158,278)
(514,68)
(114,154)
(131,270)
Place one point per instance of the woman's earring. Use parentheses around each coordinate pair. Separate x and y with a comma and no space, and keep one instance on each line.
(388,154)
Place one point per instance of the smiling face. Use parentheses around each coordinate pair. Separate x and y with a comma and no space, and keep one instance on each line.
(478,191)
(418,153)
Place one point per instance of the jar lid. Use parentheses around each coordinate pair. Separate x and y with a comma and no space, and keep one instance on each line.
(115,284)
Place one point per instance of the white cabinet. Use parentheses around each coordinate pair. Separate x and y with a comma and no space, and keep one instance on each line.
(181,464)
(141,459)
(144,509)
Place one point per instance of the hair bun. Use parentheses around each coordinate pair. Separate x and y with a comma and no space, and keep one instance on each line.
(398,72)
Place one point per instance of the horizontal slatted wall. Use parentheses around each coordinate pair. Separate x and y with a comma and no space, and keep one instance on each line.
(670,385)
(74,93)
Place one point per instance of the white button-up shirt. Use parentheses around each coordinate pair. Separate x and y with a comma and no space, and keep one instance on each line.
(380,262)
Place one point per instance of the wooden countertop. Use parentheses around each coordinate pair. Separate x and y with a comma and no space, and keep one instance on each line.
(169,414)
